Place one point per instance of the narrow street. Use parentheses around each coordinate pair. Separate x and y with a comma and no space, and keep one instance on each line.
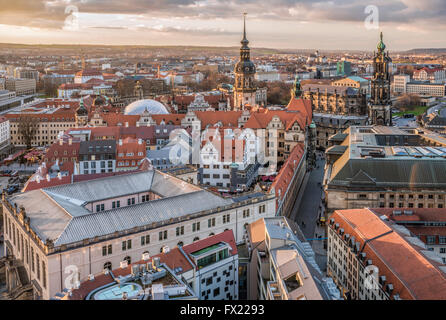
(308,210)
(306,213)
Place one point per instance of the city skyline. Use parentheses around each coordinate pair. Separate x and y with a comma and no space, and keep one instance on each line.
(324,25)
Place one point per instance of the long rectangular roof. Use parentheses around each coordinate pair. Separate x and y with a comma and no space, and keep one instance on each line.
(59,213)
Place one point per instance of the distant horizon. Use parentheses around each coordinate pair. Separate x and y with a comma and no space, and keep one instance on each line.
(276,24)
(202,46)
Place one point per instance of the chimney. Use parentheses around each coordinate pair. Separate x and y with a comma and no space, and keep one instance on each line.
(126,124)
(61,141)
(59,176)
(48,177)
(120,142)
(139,141)
(38,179)
(70,141)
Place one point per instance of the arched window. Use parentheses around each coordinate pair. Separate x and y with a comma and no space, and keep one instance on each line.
(211,234)
(108,265)
(196,239)
(128,259)
(226,230)
(180,244)
(245,226)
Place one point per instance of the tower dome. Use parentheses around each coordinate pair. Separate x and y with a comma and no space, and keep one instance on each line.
(381,46)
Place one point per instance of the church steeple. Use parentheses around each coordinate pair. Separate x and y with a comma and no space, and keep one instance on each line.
(244,90)
(380,103)
(244,41)
(296,92)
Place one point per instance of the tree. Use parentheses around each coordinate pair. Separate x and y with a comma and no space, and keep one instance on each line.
(407,101)
(27,127)
(278,92)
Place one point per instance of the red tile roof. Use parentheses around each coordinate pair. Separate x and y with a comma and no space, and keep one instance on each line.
(283,179)
(412,275)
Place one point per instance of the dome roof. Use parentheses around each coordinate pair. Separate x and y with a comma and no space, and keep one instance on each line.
(152,106)
(245,66)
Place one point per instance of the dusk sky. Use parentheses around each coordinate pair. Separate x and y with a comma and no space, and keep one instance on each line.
(293,24)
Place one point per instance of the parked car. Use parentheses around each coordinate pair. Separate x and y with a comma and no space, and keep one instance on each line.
(15,174)
(6,173)
(13,188)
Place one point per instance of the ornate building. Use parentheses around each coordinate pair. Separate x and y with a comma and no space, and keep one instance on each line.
(334,109)
(81,115)
(380,105)
(245,89)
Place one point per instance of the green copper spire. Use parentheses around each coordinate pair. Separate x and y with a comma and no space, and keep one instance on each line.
(296,92)
(381,45)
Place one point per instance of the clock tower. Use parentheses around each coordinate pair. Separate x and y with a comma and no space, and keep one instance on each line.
(244,90)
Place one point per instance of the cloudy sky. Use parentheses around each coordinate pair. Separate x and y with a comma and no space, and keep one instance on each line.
(293,24)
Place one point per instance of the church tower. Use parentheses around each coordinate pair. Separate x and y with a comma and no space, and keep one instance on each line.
(380,105)
(296,91)
(138,91)
(81,115)
(244,90)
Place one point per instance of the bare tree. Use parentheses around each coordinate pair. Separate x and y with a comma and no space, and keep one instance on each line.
(27,127)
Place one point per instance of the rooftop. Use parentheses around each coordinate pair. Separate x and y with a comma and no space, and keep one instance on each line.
(414,272)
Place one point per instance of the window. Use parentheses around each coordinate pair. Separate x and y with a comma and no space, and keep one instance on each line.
(128,259)
(430,239)
(442,239)
(44,274)
(211,223)
(216,292)
(104,251)
(108,265)
(145,240)
(180,231)
(262,209)
(246,213)
(38,266)
(32,259)
(362,196)
(196,226)
(126,245)
(226,218)
(162,235)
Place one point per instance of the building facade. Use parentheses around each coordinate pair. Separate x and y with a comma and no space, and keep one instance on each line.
(371,257)
(69,240)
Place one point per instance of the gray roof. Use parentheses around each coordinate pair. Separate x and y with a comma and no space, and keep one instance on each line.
(394,172)
(369,162)
(127,218)
(80,193)
(59,213)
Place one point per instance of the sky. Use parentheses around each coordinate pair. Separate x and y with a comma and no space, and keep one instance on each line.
(281,24)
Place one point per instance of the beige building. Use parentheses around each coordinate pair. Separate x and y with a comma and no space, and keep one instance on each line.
(387,167)
(40,123)
(335,108)
(21,86)
(353,82)
(57,236)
